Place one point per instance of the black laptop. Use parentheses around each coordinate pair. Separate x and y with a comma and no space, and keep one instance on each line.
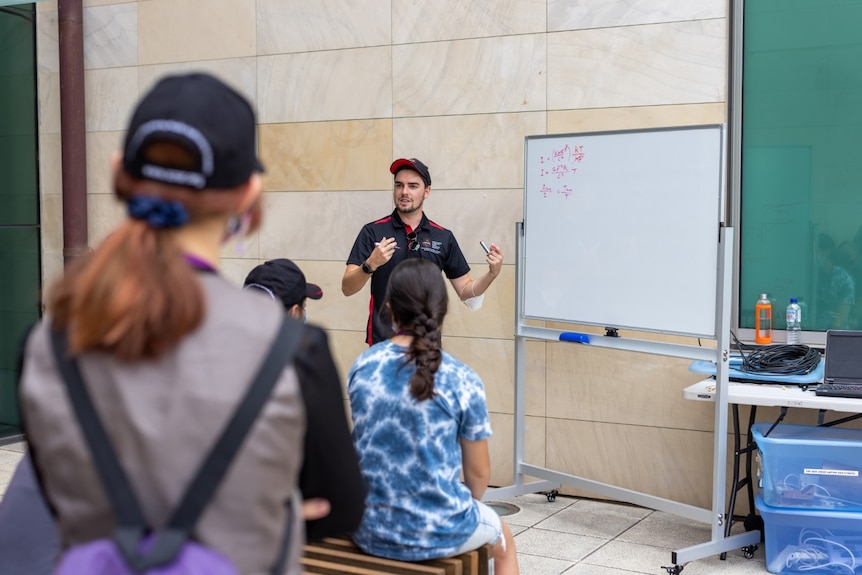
(842,367)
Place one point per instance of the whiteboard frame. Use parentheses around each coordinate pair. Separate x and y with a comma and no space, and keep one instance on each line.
(549,479)
(548,285)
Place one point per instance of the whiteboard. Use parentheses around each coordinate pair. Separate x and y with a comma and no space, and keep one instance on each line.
(621,229)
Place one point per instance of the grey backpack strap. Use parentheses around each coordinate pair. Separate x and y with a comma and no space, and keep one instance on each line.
(124,504)
(131,525)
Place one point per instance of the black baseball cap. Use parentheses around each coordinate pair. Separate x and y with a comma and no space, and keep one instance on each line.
(211,120)
(283,280)
(411,164)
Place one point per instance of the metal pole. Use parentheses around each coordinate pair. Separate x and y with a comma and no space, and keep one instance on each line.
(73,129)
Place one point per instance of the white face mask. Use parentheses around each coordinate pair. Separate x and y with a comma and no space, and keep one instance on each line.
(237,224)
(475,303)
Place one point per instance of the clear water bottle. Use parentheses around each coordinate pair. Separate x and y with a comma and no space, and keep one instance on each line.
(794,322)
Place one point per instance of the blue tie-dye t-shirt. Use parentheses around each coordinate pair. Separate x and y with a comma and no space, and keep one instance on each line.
(410,455)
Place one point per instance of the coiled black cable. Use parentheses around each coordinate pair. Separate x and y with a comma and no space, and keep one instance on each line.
(778,359)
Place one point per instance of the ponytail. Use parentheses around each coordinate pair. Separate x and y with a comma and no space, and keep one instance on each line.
(134,297)
(188,165)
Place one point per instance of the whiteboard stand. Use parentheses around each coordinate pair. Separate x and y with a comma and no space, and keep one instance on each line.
(550,479)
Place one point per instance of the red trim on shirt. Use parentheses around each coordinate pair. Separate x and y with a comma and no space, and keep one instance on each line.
(369,327)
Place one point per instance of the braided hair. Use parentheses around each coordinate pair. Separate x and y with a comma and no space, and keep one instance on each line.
(418,301)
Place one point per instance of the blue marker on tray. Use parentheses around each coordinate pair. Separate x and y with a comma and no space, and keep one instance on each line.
(574,337)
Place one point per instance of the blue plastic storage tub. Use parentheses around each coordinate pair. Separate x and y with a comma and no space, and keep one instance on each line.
(808,467)
(811,542)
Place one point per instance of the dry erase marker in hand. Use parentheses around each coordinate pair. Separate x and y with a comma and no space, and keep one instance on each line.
(485,247)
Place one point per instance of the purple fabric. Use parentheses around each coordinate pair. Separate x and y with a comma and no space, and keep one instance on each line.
(102,557)
(198,263)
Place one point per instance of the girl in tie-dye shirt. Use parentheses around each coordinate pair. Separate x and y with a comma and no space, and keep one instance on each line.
(420,421)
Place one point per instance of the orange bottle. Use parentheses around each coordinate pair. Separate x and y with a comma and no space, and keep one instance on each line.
(763,321)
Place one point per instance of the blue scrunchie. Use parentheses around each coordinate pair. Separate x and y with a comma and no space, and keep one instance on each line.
(157,212)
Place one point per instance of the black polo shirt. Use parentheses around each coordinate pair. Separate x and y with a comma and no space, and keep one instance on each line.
(436,244)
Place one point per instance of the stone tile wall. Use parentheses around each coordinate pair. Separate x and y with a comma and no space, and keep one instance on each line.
(343,88)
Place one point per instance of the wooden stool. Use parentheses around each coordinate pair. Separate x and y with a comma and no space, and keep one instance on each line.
(340,556)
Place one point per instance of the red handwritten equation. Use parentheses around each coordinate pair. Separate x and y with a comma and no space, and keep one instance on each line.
(556,169)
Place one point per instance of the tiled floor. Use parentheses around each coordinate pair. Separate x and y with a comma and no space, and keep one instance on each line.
(588,537)
(10,454)
(580,536)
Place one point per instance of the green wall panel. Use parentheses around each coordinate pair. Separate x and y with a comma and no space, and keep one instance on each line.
(18,148)
(19,198)
(801,193)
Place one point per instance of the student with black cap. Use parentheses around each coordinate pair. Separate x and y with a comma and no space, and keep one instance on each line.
(408,233)
(168,349)
(283,281)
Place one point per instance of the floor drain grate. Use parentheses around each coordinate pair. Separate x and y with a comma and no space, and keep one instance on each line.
(503,509)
